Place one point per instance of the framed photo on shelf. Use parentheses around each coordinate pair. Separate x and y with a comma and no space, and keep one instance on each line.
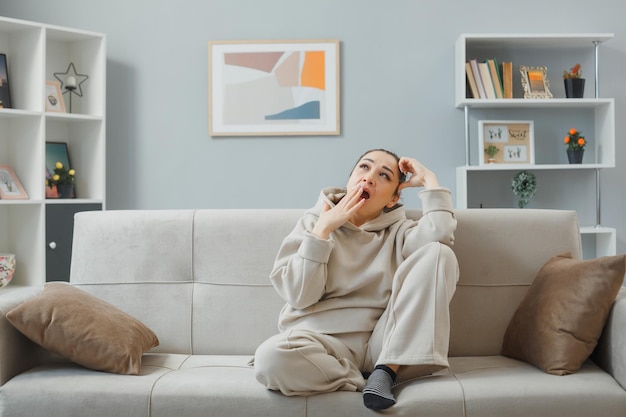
(54,97)
(535,82)
(5,93)
(288,88)
(56,152)
(10,186)
(506,142)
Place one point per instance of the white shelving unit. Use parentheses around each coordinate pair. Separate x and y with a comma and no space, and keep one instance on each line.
(34,53)
(552,119)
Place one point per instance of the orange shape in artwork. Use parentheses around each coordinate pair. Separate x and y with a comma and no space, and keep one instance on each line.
(313,70)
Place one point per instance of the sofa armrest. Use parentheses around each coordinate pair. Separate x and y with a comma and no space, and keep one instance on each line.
(610,354)
(17,353)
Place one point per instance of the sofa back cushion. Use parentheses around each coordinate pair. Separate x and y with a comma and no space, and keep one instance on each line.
(200,278)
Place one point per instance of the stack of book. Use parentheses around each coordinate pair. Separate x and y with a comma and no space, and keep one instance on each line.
(488,80)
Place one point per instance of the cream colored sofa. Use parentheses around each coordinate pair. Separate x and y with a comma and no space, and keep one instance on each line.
(199,279)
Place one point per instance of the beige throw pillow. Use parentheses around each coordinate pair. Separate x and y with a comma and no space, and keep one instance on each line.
(84,329)
(558,323)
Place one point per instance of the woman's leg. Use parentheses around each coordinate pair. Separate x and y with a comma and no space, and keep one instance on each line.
(414,331)
(301,362)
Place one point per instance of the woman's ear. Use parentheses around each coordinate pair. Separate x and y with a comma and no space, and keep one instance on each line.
(394,200)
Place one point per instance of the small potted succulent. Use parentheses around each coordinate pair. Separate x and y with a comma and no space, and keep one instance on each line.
(491,151)
(574,83)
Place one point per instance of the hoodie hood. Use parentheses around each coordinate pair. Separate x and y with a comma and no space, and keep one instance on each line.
(332,195)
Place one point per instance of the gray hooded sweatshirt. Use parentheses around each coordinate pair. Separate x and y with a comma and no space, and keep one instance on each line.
(343,284)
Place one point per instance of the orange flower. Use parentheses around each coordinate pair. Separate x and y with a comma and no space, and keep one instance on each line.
(575,140)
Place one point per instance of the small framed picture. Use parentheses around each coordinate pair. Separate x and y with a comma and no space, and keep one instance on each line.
(10,186)
(535,82)
(506,142)
(54,97)
(5,93)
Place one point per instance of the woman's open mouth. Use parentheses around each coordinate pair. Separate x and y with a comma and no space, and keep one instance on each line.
(365,195)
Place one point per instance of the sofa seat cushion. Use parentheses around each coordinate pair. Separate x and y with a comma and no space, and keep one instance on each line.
(65,389)
(499,386)
(172,385)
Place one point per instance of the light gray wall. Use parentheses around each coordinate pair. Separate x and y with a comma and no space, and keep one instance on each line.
(397,91)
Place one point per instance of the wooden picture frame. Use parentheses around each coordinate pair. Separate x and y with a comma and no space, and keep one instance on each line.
(54,97)
(535,82)
(5,91)
(10,186)
(513,139)
(273,88)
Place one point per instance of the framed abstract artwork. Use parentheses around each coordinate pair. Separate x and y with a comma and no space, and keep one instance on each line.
(269,88)
(506,142)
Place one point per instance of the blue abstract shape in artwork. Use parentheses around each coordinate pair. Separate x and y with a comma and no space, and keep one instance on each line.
(310,110)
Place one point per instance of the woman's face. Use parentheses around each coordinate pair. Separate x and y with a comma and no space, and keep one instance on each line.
(378,174)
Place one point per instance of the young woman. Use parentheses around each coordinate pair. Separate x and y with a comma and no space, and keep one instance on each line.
(366,289)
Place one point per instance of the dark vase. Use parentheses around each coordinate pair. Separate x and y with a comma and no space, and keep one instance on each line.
(575,156)
(574,87)
(65,190)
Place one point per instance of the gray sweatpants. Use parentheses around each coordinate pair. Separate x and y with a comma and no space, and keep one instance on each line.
(413,330)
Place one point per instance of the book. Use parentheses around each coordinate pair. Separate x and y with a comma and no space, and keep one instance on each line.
(507,79)
(485,76)
(471,81)
(495,77)
(478,78)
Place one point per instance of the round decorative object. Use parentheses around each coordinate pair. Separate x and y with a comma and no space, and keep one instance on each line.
(574,87)
(7,268)
(575,156)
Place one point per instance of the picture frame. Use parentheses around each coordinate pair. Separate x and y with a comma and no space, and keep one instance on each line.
(54,97)
(513,139)
(56,152)
(274,88)
(535,82)
(5,91)
(10,186)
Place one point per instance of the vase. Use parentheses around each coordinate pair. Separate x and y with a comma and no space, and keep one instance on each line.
(65,190)
(575,156)
(574,87)
(7,268)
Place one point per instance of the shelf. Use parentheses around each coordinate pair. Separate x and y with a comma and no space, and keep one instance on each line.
(532,167)
(535,40)
(489,185)
(34,53)
(520,103)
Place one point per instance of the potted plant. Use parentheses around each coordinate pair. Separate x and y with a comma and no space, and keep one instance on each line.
(574,83)
(524,185)
(576,143)
(491,151)
(63,178)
